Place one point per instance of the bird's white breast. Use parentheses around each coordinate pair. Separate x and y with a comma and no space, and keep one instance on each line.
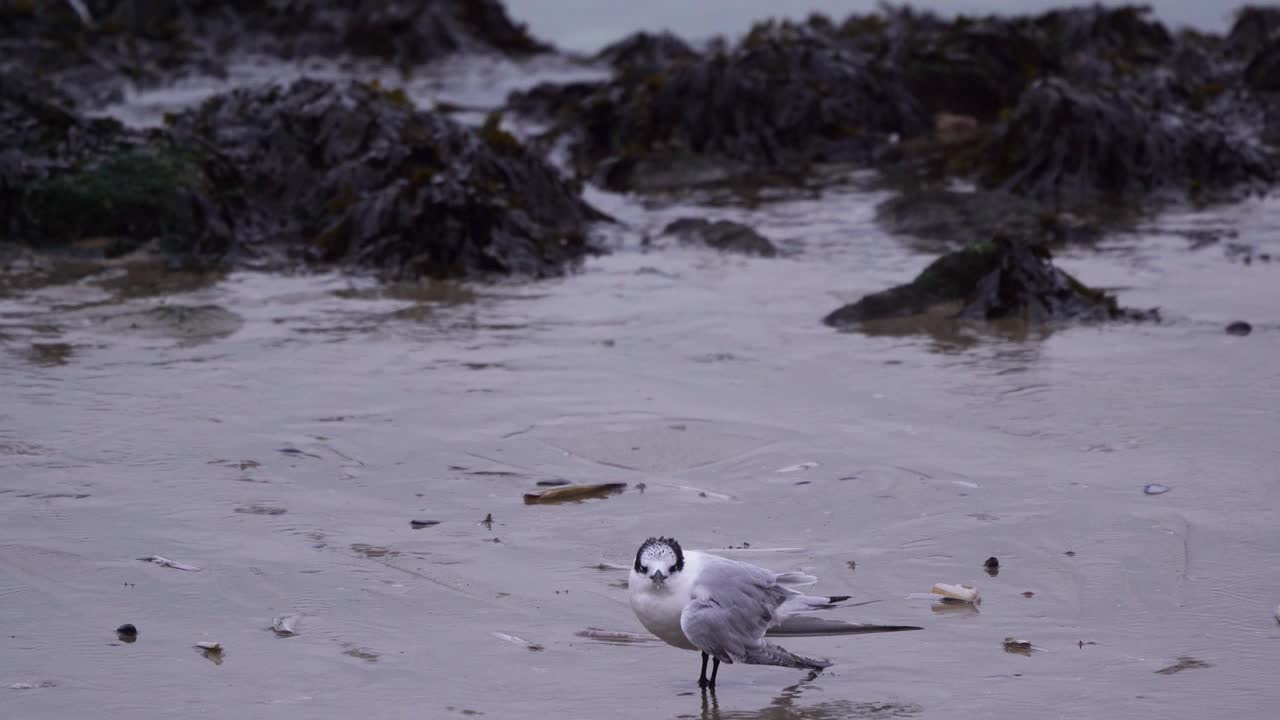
(659,608)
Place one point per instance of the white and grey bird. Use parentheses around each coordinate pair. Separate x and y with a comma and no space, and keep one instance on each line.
(724,608)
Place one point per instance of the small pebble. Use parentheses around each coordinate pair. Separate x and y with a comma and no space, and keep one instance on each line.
(1028,594)
(1239,327)
(1155,489)
(1070,553)
(419,524)
(992,566)
(127,632)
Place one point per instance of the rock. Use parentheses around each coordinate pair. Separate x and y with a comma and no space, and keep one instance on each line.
(722,235)
(127,633)
(783,99)
(142,42)
(353,174)
(998,279)
(992,566)
(1072,148)
(1239,327)
(956,219)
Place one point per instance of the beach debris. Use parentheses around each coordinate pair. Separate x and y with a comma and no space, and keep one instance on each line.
(1070,553)
(259,509)
(798,467)
(33,686)
(992,566)
(1028,594)
(296,451)
(1155,489)
(166,562)
(852,565)
(551,483)
(956,593)
(1185,662)
(1240,328)
(211,650)
(487,521)
(1017,646)
(419,524)
(127,633)
(614,636)
(519,641)
(286,625)
(610,566)
(573,493)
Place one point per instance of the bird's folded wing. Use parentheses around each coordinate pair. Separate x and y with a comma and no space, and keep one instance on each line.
(731,609)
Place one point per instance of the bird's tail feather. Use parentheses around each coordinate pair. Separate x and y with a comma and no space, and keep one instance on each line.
(768,654)
(804,603)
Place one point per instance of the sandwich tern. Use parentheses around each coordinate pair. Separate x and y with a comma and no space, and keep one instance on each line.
(723,608)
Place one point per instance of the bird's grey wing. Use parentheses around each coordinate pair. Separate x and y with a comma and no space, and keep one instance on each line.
(733,605)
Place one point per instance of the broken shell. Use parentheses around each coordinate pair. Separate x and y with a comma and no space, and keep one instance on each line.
(1017,646)
(286,625)
(959,593)
(570,493)
(166,562)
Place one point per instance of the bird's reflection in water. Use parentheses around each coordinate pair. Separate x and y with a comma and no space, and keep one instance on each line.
(787,706)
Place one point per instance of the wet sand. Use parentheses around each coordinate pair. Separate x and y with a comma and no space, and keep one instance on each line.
(281,433)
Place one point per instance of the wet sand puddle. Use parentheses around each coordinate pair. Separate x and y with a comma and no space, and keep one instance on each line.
(282,434)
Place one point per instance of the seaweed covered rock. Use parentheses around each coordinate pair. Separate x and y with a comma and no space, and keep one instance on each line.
(1262,74)
(724,235)
(65,179)
(990,281)
(352,174)
(1254,27)
(97,47)
(644,52)
(781,100)
(1072,147)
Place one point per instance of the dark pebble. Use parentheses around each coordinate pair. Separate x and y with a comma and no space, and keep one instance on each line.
(127,632)
(552,483)
(419,524)
(992,566)
(1239,327)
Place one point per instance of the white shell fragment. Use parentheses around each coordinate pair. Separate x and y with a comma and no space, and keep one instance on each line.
(797,468)
(518,641)
(286,625)
(210,646)
(959,593)
(1155,489)
(166,562)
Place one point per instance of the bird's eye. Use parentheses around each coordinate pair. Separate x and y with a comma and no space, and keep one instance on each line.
(644,569)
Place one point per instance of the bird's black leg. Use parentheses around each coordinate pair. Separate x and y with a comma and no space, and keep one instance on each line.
(715,669)
(702,680)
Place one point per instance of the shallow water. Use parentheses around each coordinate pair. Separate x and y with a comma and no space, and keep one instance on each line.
(280,433)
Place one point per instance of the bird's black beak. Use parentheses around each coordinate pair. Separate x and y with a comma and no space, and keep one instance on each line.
(658,577)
